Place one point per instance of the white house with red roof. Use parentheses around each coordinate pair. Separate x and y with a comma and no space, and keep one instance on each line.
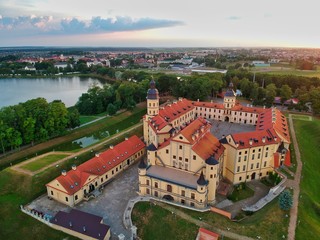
(81,181)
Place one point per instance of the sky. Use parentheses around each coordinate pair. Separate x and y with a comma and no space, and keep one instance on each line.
(165,23)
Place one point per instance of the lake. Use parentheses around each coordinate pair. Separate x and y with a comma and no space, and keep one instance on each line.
(66,89)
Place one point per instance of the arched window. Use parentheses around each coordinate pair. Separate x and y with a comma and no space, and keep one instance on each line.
(169,188)
(156,185)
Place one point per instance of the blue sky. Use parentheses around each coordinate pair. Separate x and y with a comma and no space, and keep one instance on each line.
(147,23)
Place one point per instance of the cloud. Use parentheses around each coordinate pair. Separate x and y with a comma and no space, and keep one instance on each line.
(68,26)
(234,18)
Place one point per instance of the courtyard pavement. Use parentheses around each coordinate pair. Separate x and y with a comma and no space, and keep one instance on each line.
(219,129)
(110,205)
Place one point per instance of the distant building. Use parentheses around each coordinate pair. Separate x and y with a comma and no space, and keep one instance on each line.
(61,65)
(273,61)
(79,183)
(205,234)
(81,225)
(260,64)
(30,68)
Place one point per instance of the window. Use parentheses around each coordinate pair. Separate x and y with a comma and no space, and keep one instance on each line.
(76,197)
(259,150)
(211,176)
(244,168)
(183,193)
(192,204)
(106,176)
(266,154)
(52,193)
(267,149)
(193,196)
(167,151)
(186,160)
(148,182)
(253,150)
(182,201)
(180,146)
(148,191)
(116,169)
(257,165)
(252,157)
(245,158)
(211,168)
(101,179)
(169,188)
(180,158)
(112,172)
(174,157)
(252,166)
(238,169)
(240,153)
(240,178)
(259,156)
(239,159)
(156,185)
(194,157)
(67,199)
(265,164)
(155,193)
(96,184)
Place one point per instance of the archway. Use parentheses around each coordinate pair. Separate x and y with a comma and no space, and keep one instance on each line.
(253,176)
(91,188)
(168,197)
(226,119)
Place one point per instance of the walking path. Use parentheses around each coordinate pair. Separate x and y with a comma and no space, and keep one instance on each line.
(295,184)
(72,155)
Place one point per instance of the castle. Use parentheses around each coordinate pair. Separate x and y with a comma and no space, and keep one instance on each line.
(186,162)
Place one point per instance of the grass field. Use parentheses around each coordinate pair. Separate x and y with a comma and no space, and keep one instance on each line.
(268,223)
(287,71)
(156,223)
(86,119)
(42,162)
(120,122)
(308,136)
(302,117)
(241,192)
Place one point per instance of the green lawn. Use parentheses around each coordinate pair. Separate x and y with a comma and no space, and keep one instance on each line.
(301,117)
(308,135)
(86,119)
(42,162)
(154,222)
(240,192)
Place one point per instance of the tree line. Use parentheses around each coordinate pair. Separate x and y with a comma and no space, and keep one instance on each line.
(33,121)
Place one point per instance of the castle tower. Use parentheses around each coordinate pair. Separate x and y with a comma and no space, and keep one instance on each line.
(229,100)
(153,99)
(202,191)
(142,169)
(152,108)
(212,166)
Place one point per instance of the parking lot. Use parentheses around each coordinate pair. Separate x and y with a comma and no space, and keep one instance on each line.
(219,129)
(110,204)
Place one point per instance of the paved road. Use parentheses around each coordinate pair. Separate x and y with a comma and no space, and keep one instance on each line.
(295,184)
(72,155)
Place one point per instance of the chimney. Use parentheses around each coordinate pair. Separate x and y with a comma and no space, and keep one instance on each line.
(126,138)
(275,139)
(111,146)
(63,172)
(211,101)
(74,167)
(84,228)
(198,100)
(250,141)
(263,139)
(97,154)
(180,99)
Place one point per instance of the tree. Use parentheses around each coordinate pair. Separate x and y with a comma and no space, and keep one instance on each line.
(271,93)
(111,109)
(285,93)
(285,200)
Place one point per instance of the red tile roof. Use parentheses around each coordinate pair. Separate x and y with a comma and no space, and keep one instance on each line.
(256,138)
(205,234)
(272,118)
(208,145)
(209,105)
(100,164)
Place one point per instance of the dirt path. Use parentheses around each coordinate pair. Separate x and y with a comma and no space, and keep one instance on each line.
(295,184)
(204,224)
(71,155)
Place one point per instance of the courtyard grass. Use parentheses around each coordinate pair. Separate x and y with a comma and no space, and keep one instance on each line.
(156,223)
(241,192)
(308,136)
(42,162)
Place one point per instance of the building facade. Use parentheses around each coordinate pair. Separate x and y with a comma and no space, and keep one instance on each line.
(186,162)
(79,183)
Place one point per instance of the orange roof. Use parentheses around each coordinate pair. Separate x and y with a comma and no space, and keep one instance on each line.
(287,160)
(205,234)
(199,125)
(276,160)
(273,118)
(256,138)
(242,108)
(100,164)
(208,145)
(208,105)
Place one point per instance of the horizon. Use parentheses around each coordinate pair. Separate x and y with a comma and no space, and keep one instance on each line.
(205,24)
